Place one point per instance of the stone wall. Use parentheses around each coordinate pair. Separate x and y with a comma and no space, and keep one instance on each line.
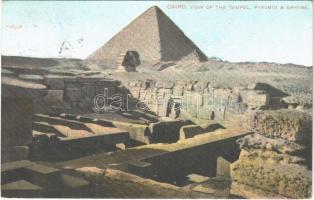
(199,99)
(77,92)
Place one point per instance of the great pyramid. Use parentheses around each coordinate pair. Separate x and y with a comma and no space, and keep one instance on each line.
(154,36)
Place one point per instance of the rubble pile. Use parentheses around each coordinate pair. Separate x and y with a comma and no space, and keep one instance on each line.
(277,157)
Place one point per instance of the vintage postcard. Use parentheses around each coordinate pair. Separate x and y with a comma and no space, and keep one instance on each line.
(156,99)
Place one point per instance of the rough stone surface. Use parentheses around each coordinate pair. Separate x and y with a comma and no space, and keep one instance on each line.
(287,124)
(223,167)
(73,94)
(288,179)
(271,156)
(257,141)
(249,192)
(88,91)
(54,82)
(255,98)
(200,86)
(198,99)
(54,97)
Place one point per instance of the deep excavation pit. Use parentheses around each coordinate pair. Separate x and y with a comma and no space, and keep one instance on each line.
(174,167)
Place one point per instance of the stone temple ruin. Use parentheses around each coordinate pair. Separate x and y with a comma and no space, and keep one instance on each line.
(85,135)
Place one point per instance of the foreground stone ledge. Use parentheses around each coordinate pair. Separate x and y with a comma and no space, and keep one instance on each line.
(287,124)
(257,141)
(287,179)
(249,192)
(117,184)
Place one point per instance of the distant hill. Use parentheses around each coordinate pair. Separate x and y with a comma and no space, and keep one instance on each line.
(34,62)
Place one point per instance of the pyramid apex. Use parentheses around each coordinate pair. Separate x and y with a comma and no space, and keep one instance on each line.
(154,8)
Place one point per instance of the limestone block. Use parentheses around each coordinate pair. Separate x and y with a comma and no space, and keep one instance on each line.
(142,95)
(287,124)
(148,96)
(72,83)
(131,84)
(135,93)
(165,91)
(239,88)
(223,167)
(257,141)
(190,131)
(203,113)
(164,84)
(162,110)
(167,97)
(290,180)
(74,104)
(139,133)
(88,91)
(135,84)
(222,93)
(159,84)
(189,87)
(180,83)
(193,98)
(89,80)
(196,178)
(73,94)
(54,97)
(85,103)
(255,98)
(178,91)
(235,97)
(54,82)
(108,83)
(271,156)
(135,88)
(200,86)
(191,110)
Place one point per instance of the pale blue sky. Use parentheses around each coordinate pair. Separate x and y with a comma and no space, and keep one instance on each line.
(38,28)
